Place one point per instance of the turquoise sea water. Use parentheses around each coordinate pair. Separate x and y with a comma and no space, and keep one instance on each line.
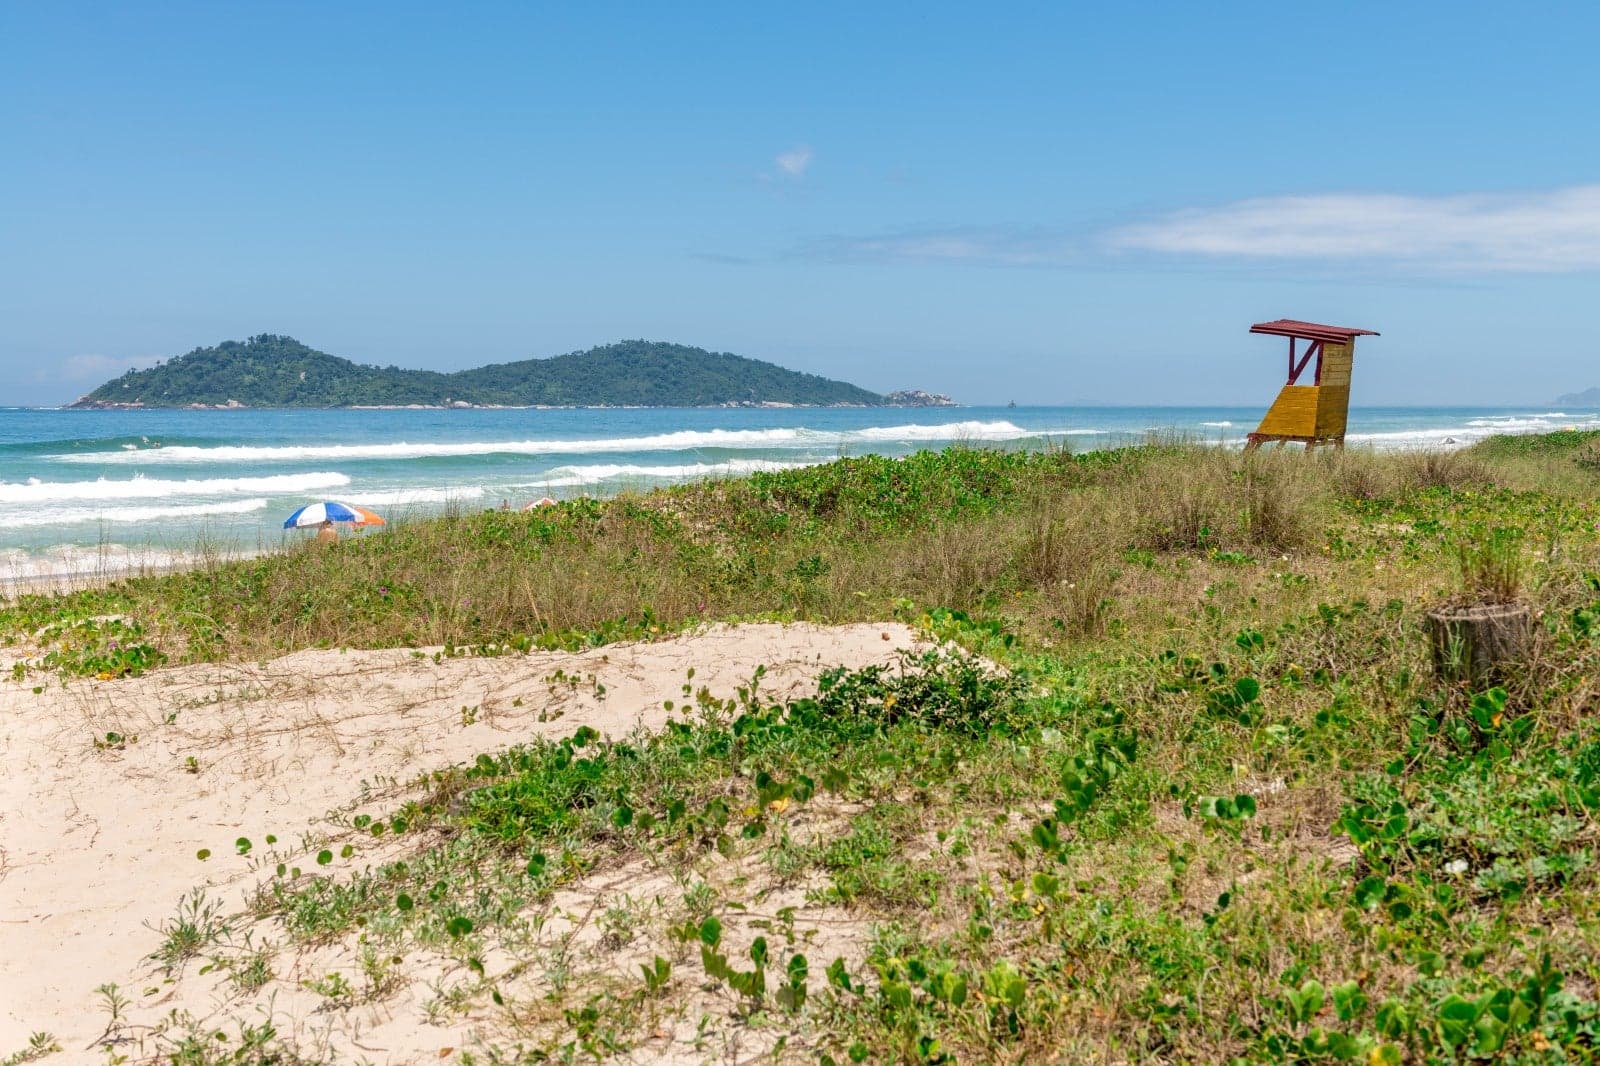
(82,491)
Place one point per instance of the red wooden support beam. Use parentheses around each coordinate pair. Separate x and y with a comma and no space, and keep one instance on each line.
(1296,370)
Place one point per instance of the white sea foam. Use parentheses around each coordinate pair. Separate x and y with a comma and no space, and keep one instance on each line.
(68,566)
(1473,430)
(947,431)
(1529,423)
(144,488)
(401,497)
(1217,425)
(682,440)
(589,474)
(62,516)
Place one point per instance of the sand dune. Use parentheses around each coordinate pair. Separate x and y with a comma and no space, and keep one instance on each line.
(98,841)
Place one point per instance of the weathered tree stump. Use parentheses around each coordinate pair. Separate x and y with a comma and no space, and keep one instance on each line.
(1477,644)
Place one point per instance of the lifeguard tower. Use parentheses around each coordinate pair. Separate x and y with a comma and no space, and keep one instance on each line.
(1316,413)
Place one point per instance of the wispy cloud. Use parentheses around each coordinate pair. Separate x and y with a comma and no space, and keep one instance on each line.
(1552,231)
(722,258)
(97,368)
(795,161)
(979,245)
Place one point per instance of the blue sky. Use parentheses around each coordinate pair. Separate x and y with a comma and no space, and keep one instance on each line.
(1052,204)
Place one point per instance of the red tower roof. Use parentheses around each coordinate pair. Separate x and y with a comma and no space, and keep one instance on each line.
(1289,327)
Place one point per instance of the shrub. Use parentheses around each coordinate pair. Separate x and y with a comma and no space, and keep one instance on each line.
(1440,470)
(1491,566)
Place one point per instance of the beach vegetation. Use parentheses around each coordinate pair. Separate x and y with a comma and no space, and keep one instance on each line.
(1174,778)
(199,923)
(39,1045)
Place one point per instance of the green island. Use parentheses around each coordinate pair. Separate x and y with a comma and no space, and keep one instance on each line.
(1177,775)
(275,371)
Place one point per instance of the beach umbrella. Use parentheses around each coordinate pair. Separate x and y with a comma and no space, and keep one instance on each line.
(542,501)
(314,514)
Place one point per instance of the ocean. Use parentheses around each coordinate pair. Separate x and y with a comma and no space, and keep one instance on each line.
(86,492)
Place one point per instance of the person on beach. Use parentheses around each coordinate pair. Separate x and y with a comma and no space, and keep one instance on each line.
(326,534)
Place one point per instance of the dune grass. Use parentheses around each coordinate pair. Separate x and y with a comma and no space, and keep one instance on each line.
(1042,538)
(1216,807)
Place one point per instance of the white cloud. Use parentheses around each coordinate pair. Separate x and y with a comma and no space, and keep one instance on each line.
(96,368)
(1552,231)
(795,161)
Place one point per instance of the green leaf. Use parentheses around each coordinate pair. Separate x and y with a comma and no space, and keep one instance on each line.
(897,994)
(1369,893)
(1456,1017)
(1308,1000)
(1348,1000)
(1393,1019)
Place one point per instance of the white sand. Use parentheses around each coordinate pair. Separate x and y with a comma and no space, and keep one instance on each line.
(98,844)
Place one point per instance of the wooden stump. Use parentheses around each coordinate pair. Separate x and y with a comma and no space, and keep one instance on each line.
(1476,644)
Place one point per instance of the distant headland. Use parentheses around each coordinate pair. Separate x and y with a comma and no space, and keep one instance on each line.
(1586,398)
(276,371)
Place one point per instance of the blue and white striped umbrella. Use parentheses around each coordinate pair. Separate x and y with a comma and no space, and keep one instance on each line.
(314,514)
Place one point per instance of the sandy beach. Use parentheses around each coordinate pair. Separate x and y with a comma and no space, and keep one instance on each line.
(114,787)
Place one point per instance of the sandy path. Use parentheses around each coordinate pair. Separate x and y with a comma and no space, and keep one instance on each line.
(98,842)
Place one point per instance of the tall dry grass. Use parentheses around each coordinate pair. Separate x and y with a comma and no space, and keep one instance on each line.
(1046,535)
(1211,498)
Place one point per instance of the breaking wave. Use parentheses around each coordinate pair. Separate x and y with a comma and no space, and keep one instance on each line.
(402,497)
(682,440)
(568,476)
(143,488)
(70,516)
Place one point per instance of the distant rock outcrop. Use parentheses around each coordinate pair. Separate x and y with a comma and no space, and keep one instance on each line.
(917,398)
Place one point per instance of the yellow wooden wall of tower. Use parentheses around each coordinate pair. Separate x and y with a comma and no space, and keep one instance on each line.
(1310,412)
(1292,414)
(1333,392)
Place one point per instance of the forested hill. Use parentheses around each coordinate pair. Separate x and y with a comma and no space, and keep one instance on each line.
(274,371)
